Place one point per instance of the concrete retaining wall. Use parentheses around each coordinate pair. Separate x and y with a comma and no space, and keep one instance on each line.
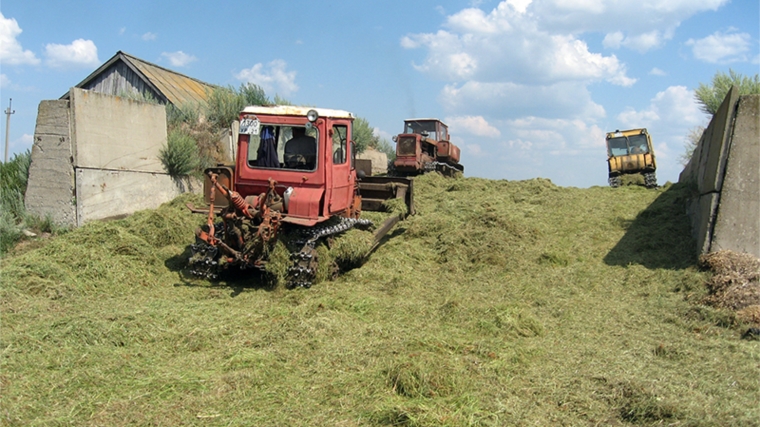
(50,189)
(116,133)
(737,226)
(96,157)
(725,173)
(109,193)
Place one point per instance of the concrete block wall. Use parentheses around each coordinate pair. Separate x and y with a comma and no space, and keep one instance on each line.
(725,173)
(116,133)
(737,226)
(51,187)
(96,157)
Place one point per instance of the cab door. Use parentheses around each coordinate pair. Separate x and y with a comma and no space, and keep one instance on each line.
(342,188)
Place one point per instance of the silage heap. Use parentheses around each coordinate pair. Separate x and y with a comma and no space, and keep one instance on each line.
(498,303)
(109,257)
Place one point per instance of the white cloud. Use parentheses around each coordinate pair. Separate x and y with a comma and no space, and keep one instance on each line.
(557,135)
(272,78)
(383,135)
(639,42)
(80,53)
(149,36)
(564,99)
(521,6)
(646,41)
(179,58)
(668,118)
(722,47)
(11,52)
(505,45)
(613,40)
(524,67)
(21,144)
(635,24)
(675,106)
(475,125)
(657,72)
(473,149)
(4,81)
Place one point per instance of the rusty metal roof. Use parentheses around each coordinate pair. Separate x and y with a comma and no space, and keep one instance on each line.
(176,88)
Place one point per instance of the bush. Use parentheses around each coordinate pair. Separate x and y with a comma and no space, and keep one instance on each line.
(711,95)
(180,156)
(186,113)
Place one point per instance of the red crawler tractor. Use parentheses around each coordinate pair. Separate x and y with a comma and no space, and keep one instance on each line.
(294,175)
(425,147)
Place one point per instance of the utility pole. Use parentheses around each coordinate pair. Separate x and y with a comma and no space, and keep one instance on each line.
(8,113)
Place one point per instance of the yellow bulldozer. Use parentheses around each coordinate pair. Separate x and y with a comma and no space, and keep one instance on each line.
(630,152)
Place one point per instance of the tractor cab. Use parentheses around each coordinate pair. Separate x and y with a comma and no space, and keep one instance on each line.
(307,152)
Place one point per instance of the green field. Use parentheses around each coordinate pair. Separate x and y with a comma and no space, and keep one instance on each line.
(499,303)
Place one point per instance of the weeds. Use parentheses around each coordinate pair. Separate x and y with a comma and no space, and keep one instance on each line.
(14,219)
(180,155)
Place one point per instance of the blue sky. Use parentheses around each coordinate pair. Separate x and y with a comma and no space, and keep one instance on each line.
(528,88)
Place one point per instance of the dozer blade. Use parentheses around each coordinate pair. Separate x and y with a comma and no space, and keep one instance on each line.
(377,189)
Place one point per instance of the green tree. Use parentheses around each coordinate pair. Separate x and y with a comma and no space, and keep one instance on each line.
(710,96)
(363,134)
(364,137)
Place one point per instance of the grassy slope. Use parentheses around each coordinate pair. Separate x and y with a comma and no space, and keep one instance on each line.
(499,303)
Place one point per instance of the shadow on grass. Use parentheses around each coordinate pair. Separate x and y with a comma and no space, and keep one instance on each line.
(660,236)
(235,279)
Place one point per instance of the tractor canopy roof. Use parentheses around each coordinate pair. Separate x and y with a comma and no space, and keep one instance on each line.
(293,110)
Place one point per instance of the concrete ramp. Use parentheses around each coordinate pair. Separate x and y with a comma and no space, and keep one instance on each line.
(725,174)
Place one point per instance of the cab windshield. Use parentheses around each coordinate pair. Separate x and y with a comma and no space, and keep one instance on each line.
(280,146)
(624,146)
(419,127)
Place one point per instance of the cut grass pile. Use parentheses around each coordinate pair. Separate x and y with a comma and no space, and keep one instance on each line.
(499,303)
(735,284)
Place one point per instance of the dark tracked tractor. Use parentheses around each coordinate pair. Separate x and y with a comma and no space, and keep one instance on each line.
(295,181)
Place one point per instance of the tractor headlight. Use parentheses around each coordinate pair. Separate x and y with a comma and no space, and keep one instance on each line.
(286,197)
(312,115)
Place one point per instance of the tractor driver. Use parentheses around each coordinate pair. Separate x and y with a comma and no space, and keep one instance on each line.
(301,150)
(641,148)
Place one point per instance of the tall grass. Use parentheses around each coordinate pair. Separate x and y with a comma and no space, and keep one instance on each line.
(14,175)
(14,218)
(224,104)
(498,303)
